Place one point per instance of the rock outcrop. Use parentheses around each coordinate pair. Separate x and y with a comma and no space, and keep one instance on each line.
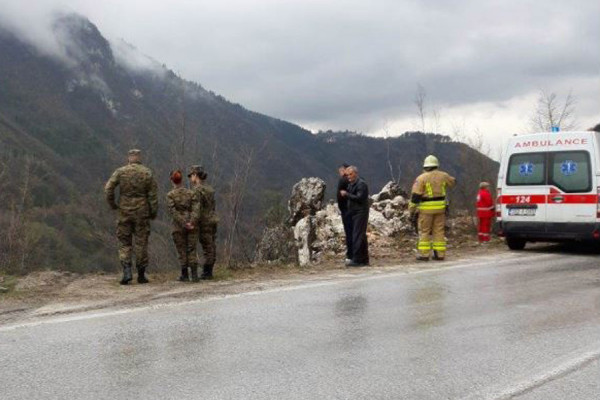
(318,230)
(307,199)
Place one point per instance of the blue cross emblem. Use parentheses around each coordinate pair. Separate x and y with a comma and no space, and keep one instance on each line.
(526,169)
(568,168)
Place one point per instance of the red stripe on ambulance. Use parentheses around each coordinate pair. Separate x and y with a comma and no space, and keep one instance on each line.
(550,199)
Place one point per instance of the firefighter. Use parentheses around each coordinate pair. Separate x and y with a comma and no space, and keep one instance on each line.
(428,199)
(485,212)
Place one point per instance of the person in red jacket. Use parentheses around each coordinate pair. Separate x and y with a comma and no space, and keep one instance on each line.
(485,212)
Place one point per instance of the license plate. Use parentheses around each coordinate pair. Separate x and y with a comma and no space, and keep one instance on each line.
(521,212)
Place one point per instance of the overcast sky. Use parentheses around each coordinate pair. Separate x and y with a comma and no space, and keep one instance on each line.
(356,64)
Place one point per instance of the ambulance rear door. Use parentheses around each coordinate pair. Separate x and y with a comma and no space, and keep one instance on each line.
(524,193)
(573,197)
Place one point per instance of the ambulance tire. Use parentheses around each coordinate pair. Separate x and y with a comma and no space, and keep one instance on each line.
(515,243)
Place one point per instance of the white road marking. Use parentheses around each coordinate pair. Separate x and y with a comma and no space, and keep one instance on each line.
(563,367)
(485,261)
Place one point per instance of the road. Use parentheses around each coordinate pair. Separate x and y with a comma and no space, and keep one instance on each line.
(523,325)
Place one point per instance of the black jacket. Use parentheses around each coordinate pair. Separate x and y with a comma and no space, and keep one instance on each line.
(342,201)
(358,196)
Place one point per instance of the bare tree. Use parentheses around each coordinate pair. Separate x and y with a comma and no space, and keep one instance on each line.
(420,103)
(389,159)
(551,112)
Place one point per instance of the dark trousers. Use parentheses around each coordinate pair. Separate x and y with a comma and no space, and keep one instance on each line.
(360,247)
(347,221)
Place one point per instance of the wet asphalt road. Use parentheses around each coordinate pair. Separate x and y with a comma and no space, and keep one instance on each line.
(525,325)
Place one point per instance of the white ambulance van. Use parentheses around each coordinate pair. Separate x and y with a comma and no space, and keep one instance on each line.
(549,188)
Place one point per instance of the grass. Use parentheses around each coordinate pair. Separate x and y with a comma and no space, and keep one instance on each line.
(9,283)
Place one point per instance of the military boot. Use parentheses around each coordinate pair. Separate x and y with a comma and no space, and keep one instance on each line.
(184,275)
(127,276)
(194,270)
(142,275)
(207,271)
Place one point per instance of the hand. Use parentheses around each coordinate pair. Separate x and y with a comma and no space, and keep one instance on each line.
(414,215)
(190,226)
(343,193)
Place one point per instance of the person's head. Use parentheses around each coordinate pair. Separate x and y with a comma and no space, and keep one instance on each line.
(197,174)
(484,185)
(430,163)
(352,173)
(342,169)
(176,177)
(134,156)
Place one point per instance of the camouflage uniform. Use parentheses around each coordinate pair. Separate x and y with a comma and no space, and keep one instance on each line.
(138,203)
(180,206)
(429,197)
(206,217)
(204,196)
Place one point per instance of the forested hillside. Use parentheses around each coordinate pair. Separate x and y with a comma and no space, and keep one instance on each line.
(67,121)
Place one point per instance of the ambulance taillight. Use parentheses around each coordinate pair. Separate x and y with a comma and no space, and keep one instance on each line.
(598,202)
(499,203)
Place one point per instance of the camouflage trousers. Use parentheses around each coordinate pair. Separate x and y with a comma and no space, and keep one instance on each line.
(207,238)
(185,243)
(133,233)
(431,234)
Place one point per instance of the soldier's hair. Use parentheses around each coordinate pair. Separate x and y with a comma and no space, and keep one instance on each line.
(353,168)
(176,177)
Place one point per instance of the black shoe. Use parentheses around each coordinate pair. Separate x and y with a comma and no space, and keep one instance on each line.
(184,275)
(127,276)
(207,272)
(355,264)
(422,258)
(142,275)
(194,270)
(437,258)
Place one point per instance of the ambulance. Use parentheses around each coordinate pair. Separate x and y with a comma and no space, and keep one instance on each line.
(549,188)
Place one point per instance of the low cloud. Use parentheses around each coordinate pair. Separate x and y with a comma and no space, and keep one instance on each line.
(354,64)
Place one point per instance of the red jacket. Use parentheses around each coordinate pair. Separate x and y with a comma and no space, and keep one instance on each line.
(485,204)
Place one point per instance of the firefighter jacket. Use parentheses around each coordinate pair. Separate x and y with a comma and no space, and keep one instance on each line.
(429,192)
(485,204)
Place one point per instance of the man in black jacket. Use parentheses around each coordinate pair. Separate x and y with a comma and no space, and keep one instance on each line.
(343,206)
(358,211)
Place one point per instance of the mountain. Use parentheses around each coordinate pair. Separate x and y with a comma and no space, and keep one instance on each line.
(67,120)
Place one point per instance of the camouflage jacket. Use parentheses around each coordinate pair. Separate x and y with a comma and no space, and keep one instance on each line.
(205,206)
(137,190)
(180,206)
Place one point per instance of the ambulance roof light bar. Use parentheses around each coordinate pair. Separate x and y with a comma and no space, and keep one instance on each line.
(555,129)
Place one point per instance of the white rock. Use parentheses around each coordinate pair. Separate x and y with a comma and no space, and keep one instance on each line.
(302,236)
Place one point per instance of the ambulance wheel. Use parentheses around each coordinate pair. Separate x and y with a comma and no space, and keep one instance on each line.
(515,243)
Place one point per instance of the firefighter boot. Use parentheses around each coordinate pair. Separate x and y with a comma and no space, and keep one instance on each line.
(127,277)
(142,275)
(184,275)
(207,271)
(194,270)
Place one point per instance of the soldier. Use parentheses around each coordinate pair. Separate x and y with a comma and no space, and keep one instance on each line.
(183,231)
(428,198)
(204,198)
(138,204)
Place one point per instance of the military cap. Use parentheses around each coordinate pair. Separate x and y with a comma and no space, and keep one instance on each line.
(196,169)
(134,152)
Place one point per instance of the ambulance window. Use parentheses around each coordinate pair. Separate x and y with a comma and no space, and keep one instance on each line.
(526,169)
(570,171)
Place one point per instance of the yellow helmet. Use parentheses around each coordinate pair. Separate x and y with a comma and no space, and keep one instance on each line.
(431,161)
